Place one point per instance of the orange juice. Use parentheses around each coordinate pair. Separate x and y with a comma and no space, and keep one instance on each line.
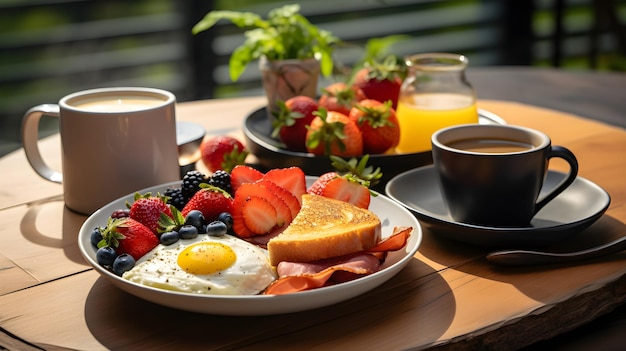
(421,115)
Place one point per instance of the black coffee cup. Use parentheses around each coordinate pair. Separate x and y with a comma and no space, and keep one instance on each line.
(492,175)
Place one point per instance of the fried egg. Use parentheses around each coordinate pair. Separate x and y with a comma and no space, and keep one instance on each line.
(207,265)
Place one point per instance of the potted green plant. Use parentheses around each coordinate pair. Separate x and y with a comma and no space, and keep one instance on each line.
(291,51)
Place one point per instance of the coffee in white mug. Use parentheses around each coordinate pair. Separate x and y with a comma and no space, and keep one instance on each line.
(118,103)
(114,141)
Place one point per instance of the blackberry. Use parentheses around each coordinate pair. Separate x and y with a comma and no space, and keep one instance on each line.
(191,183)
(176,198)
(221,179)
(120,213)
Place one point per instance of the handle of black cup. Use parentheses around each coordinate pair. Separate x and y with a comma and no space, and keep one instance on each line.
(30,138)
(561,152)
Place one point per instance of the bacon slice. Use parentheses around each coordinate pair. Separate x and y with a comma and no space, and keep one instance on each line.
(298,276)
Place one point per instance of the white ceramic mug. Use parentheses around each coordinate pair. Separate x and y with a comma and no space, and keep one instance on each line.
(114,141)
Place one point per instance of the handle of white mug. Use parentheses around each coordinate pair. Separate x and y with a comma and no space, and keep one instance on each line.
(30,138)
(559,151)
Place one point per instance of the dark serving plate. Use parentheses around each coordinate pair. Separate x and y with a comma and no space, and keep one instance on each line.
(272,154)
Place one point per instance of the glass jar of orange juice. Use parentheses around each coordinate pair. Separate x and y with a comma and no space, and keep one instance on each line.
(434,95)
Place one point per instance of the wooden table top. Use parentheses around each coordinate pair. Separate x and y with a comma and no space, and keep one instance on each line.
(448,296)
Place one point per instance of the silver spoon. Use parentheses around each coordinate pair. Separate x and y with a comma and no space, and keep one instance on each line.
(527,258)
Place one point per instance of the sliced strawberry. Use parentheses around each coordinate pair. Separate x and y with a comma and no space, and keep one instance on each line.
(320,183)
(345,190)
(283,213)
(239,226)
(259,216)
(243,174)
(290,199)
(291,178)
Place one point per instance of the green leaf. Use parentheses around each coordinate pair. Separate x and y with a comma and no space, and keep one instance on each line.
(238,62)
(285,35)
(240,19)
(377,48)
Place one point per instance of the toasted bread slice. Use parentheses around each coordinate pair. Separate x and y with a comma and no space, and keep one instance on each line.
(325,228)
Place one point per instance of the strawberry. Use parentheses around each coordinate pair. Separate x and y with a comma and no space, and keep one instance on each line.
(289,198)
(211,201)
(291,120)
(259,216)
(222,152)
(333,133)
(378,124)
(252,215)
(280,189)
(378,84)
(345,189)
(350,182)
(147,210)
(382,74)
(340,97)
(283,213)
(243,174)
(320,183)
(129,236)
(291,179)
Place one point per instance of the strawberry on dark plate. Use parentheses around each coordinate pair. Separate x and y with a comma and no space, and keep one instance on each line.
(378,124)
(382,74)
(340,97)
(333,133)
(291,121)
(378,84)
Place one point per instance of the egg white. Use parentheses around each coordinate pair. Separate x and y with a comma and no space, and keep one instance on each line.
(250,274)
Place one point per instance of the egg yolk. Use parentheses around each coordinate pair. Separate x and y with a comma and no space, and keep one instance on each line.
(206,258)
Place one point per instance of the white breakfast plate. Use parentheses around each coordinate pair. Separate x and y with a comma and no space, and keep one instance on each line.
(391,214)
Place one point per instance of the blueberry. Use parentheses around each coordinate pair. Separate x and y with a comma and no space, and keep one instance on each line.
(168,238)
(96,236)
(226,218)
(216,228)
(188,231)
(196,219)
(123,263)
(106,255)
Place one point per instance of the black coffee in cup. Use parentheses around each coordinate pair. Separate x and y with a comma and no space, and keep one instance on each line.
(492,175)
(495,146)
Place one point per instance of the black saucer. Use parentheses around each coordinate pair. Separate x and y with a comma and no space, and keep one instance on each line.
(568,214)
